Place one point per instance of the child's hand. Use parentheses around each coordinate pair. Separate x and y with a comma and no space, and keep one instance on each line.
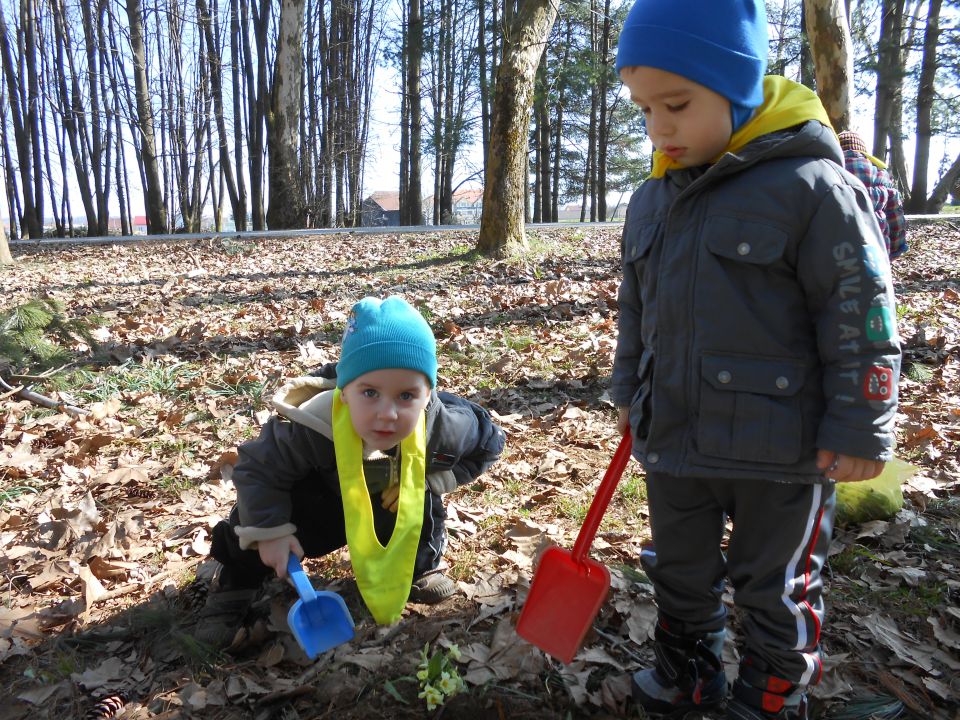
(623,420)
(275,553)
(390,498)
(845,468)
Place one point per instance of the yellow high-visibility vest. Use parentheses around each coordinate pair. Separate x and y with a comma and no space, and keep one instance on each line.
(384,574)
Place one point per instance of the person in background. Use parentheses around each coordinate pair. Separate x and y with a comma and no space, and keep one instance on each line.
(757,357)
(887,201)
(358,455)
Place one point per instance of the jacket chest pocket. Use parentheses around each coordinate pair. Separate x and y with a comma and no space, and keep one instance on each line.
(744,242)
(750,408)
(638,240)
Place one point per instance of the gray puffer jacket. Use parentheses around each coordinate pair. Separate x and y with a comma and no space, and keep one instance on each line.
(756,315)
(297,446)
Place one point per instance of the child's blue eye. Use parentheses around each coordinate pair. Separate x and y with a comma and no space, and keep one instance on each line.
(406,396)
(369,393)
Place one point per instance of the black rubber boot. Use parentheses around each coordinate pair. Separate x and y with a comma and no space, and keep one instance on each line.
(688,674)
(759,695)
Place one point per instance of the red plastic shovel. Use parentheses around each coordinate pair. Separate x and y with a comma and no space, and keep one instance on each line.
(569,588)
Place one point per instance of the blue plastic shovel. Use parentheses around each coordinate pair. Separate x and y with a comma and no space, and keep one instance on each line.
(318,620)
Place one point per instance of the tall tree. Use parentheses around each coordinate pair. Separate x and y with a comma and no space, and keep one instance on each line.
(889,67)
(830,44)
(23,106)
(155,207)
(527,25)
(411,117)
(211,30)
(917,202)
(287,208)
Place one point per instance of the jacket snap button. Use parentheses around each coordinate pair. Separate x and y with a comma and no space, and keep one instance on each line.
(724,376)
(783,383)
(743,248)
(653,458)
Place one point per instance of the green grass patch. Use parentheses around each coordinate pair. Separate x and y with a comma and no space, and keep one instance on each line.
(573,508)
(172,381)
(14,490)
(253,390)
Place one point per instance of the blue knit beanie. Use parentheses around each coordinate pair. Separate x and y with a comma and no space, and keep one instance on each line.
(720,44)
(386,334)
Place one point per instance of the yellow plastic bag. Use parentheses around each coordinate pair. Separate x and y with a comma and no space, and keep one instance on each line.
(876,499)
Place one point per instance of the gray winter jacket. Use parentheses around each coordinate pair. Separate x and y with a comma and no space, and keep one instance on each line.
(297,446)
(756,315)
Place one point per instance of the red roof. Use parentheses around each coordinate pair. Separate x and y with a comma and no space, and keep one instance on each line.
(470,195)
(386,199)
(140,220)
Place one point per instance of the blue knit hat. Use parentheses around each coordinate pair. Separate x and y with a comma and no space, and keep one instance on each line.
(386,334)
(720,44)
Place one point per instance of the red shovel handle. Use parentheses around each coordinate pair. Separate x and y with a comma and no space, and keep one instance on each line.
(600,501)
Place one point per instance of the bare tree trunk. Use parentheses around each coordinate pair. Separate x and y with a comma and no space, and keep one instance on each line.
(541,136)
(603,122)
(925,97)
(20,109)
(484,77)
(215,62)
(411,208)
(286,209)
(505,188)
(240,211)
(944,187)
(889,73)
(28,21)
(156,210)
(558,131)
(832,51)
(898,157)
(73,113)
(257,92)
(91,14)
(46,74)
(10,185)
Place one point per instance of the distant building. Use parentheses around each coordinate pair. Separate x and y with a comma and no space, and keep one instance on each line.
(467,208)
(381,208)
(139,224)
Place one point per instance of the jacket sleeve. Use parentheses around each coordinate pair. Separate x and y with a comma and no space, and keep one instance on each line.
(266,471)
(463,442)
(626,362)
(845,271)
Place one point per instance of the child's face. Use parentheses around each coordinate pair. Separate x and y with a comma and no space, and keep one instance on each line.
(385,405)
(685,120)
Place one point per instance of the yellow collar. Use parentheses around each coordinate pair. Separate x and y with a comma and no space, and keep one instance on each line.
(785,104)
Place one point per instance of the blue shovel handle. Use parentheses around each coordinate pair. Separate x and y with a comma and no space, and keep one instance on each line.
(300,580)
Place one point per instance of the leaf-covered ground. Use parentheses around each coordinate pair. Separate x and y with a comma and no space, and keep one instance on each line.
(105,517)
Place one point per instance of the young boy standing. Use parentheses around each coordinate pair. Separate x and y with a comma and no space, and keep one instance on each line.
(757,358)
(357,456)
